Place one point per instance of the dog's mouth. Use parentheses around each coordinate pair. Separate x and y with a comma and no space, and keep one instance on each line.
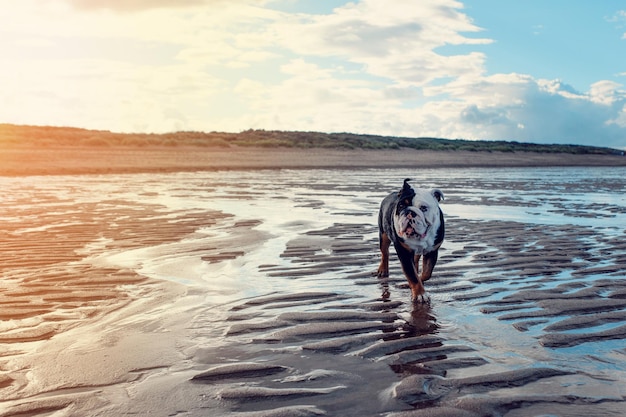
(410,232)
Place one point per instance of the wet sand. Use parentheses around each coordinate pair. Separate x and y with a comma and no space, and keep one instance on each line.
(251,294)
(107,160)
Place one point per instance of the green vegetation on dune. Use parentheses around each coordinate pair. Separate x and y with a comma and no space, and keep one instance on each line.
(45,136)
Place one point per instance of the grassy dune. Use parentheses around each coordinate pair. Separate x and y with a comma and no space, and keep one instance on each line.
(12,136)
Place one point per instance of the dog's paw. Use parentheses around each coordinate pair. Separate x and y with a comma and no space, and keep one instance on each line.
(421,298)
(386,294)
(381,273)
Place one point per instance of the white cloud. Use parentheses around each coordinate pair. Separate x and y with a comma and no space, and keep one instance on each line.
(606,92)
(620,120)
(543,111)
(311,97)
(395,39)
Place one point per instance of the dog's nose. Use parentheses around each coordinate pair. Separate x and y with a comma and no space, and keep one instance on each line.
(410,214)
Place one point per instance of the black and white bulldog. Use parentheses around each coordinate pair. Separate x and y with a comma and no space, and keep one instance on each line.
(413,221)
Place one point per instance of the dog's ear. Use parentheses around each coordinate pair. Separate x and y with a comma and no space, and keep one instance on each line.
(407,192)
(436,192)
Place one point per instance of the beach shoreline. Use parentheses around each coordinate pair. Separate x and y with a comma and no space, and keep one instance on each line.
(25,161)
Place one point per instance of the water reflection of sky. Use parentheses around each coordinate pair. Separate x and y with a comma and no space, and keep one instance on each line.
(290,202)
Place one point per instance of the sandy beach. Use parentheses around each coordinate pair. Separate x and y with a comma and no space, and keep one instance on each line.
(106,160)
(193,291)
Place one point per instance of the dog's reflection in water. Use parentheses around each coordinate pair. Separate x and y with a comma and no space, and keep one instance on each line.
(422,320)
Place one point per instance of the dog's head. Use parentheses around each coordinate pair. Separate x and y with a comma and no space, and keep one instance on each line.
(417,214)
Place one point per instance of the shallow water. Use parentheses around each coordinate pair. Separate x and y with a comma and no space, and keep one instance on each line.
(530,277)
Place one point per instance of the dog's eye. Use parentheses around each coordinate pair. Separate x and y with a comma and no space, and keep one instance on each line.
(423,208)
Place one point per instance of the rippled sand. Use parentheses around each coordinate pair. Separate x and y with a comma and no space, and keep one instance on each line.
(251,294)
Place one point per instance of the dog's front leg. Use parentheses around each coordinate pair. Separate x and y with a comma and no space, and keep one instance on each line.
(428,264)
(407,260)
(416,261)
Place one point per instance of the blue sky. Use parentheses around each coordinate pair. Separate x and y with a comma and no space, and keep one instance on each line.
(536,71)
(576,41)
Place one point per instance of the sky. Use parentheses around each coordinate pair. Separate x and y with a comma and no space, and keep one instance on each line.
(531,71)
